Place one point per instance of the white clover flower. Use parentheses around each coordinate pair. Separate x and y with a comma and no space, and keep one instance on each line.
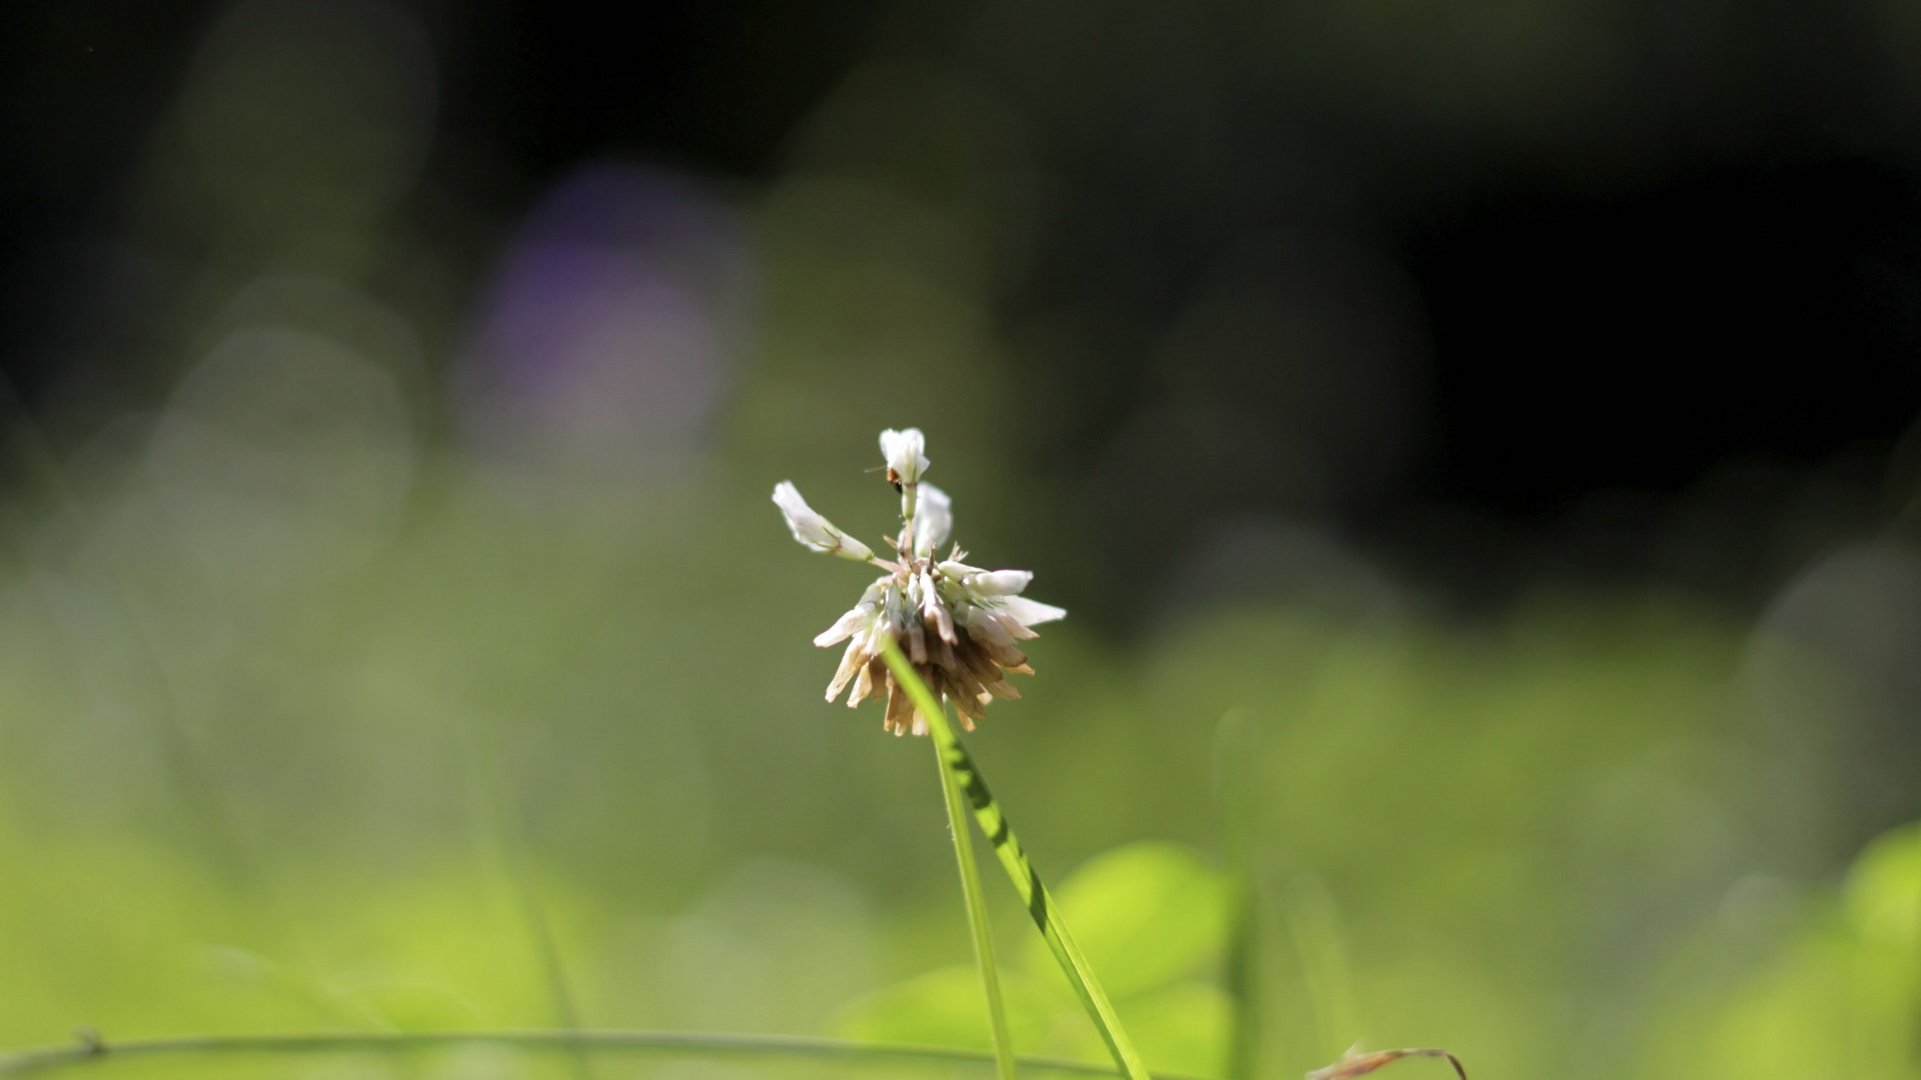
(956,623)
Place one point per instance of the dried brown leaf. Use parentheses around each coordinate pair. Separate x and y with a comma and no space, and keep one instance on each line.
(1358,1062)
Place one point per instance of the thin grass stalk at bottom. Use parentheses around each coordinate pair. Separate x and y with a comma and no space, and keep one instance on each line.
(999,831)
(976,900)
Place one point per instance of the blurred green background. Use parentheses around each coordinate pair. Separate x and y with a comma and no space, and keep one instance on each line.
(1475,443)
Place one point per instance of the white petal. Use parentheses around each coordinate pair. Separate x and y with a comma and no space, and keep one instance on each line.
(1000,582)
(858,615)
(906,453)
(1031,612)
(1015,629)
(813,530)
(983,625)
(934,611)
(933,521)
(808,527)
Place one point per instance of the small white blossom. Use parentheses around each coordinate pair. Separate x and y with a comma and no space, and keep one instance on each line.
(906,454)
(999,582)
(815,531)
(957,624)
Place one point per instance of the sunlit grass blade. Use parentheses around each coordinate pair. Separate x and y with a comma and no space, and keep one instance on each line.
(186,761)
(1311,919)
(1027,881)
(976,913)
(92,1053)
(502,838)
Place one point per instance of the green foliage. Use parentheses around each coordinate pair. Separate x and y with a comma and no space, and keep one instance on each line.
(1561,839)
(1836,994)
(943,1008)
(1159,983)
(1147,915)
(961,781)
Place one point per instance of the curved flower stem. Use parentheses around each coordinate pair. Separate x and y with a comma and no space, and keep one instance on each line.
(959,768)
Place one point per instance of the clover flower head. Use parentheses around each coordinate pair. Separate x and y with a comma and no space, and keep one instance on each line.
(958,624)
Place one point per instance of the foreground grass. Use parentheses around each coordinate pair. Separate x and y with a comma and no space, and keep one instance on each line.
(90,1052)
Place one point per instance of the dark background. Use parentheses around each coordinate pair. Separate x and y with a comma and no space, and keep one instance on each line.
(1635,254)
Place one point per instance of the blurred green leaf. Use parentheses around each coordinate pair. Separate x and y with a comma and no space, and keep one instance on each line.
(1147,914)
(1883,894)
(1182,1027)
(943,1008)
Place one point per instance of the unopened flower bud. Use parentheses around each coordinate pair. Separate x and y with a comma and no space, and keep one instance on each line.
(999,582)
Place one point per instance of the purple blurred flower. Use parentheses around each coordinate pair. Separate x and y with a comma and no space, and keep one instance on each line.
(608,337)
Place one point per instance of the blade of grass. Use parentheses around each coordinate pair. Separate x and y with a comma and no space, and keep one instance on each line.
(91,1051)
(977,916)
(1312,921)
(1234,747)
(501,837)
(189,766)
(1027,881)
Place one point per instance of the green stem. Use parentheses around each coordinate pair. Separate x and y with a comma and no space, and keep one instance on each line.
(963,773)
(977,916)
(93,1052)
